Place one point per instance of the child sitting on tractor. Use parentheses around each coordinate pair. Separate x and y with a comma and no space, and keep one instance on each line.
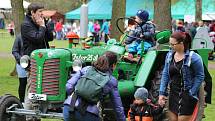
(144,31)
(142,109)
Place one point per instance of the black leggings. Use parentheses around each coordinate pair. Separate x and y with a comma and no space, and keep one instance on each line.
(22,86)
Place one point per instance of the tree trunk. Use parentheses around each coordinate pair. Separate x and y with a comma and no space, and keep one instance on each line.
(198,16)
(18,16)
(160,9)
(118,10)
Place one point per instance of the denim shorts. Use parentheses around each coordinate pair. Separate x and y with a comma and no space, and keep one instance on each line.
(20,71)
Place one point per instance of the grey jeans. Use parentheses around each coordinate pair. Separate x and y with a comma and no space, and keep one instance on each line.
(28,103)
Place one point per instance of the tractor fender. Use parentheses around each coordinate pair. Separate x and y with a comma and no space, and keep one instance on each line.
(145,69)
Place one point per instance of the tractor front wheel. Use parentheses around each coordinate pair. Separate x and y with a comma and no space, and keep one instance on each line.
(5,102)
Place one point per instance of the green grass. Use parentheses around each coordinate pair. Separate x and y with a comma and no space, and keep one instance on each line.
(6,42)
(210,110)
(60,43)
(9,85)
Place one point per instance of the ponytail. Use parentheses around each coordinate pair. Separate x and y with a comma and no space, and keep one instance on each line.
(183,37)
(187,41)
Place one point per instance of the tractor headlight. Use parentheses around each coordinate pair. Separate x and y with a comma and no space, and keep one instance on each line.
(77,65)
(25,61)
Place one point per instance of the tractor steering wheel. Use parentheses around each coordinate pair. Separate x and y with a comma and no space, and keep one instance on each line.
(126,34)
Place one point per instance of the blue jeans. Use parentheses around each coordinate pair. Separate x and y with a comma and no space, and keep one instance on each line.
(67,115)
(20,71)
(59,35)
(135,47)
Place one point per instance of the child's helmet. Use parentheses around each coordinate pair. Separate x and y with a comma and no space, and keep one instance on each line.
(143,14)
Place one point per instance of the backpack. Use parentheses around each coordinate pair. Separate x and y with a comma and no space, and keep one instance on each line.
(90,86)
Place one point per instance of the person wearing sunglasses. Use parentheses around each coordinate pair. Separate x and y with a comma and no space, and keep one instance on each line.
(184,72)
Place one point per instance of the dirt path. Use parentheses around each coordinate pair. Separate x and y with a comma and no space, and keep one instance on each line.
(5,55)
(211,66)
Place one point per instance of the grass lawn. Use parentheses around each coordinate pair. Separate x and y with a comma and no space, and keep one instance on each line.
(210,110)
(9,84)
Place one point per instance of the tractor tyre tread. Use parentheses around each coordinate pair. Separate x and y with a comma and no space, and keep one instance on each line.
(5,102)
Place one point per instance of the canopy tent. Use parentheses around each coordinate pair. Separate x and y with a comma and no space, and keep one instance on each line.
(133,6)
(187,7)
(102,9)
(6,4)
(182,7)
(97,9)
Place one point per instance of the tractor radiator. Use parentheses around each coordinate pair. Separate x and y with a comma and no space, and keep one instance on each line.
(50,77)
(33,76)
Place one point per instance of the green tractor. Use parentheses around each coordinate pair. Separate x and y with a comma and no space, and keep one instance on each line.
(51,68)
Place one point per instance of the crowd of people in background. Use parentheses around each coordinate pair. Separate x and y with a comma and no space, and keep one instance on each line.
(192,28)
(99,30)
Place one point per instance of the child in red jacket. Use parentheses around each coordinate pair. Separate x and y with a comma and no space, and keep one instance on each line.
(142,109)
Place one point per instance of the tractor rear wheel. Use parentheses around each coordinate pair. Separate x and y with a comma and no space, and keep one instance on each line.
(155,85)
(154,94)
(5,102)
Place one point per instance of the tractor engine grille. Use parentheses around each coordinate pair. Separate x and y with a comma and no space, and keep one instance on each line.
(50,77)
(33,76)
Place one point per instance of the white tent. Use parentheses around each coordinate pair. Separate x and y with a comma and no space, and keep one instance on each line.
(208,16)
(6,4)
